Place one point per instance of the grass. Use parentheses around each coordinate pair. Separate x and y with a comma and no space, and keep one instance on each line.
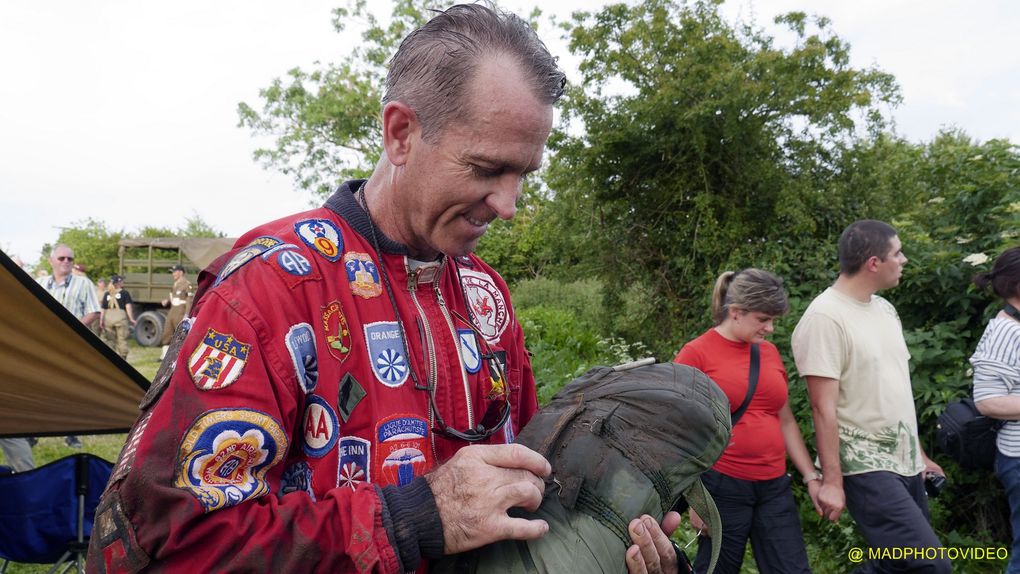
(49,449)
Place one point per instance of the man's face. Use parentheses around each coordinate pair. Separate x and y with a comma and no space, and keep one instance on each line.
(62,259)
(473,173)
(176,273)
(890,270)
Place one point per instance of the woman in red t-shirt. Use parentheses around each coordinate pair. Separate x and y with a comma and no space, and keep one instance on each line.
(749,482)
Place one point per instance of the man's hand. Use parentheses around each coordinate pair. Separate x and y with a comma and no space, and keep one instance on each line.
(814,487)
(475,488)
(652,552)
(832,501)
(931,467)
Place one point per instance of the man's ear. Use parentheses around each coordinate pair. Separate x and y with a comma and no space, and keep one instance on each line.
(399,123)
(871,264)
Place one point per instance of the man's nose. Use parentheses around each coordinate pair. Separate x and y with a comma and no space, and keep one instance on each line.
(502,200)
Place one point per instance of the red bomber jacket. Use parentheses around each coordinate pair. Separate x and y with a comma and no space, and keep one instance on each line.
(289,428)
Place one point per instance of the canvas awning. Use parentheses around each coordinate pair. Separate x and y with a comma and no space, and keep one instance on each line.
(56,376)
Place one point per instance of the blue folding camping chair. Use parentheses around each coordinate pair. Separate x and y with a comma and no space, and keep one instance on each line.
(46,513)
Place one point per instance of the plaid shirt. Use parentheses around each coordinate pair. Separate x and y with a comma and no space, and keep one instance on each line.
(76,294)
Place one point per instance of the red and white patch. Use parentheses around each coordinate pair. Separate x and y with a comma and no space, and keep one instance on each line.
(488,306)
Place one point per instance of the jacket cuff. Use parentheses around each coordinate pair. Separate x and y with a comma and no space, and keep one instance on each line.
(411,516)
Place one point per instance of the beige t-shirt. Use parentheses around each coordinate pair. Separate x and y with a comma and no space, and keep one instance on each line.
(861,345)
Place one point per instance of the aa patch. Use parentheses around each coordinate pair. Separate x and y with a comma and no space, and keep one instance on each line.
(225,455)
(488,306)
(300,343)
(351,393)
(362,275)
(402,449)
(297,478)
(321,235)
(258,246)
(293,263)
(321,427)
(166,368)
(354,462)
(386,352)
(218,361)
(469,353)
(338,334)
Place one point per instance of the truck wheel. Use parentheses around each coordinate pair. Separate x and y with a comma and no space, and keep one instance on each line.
(149,328)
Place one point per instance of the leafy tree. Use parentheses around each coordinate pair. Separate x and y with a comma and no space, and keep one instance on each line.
(704,146)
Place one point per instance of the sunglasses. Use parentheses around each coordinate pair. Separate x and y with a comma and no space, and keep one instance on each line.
(498,413)
(65,258)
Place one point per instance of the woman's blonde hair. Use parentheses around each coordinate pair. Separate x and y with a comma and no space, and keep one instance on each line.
(749,290)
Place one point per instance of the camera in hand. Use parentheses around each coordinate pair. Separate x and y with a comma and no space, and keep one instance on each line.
(933,484)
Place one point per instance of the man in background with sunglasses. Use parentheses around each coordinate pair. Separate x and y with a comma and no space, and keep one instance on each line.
(344,396)
(75,292)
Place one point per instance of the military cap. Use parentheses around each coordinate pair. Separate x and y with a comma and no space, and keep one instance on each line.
(176,267)
(622,442)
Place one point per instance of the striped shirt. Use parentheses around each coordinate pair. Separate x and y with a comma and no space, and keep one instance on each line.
(996,364)
(76,294)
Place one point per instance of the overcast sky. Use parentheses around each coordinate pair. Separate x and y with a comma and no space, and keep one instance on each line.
(125,111)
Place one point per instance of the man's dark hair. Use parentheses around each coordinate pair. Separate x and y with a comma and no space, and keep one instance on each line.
(861,241)
(434,65)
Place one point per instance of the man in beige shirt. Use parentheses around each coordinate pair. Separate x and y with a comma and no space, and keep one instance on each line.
(849,346)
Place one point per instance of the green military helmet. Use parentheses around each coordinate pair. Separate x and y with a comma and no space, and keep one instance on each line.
(622,442)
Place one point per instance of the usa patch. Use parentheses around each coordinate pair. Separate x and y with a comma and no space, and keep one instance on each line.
(297,478)
(402,449)
(362,275)
(225,455)
(488,306)
(338,334)
(218,361)
(321,427)
(351,393)
(386,352)
(257,246)
(354,462)
(300,341)
(469,353)
(321,235)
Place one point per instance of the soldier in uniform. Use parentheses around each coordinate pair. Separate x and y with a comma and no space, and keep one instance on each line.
(179,302)
(116,311)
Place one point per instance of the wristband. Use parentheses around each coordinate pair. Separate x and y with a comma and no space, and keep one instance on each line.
(816,475)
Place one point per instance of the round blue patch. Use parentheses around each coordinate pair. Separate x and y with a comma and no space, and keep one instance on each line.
(322,427)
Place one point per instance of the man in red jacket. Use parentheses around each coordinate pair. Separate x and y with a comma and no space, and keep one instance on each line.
(345,394)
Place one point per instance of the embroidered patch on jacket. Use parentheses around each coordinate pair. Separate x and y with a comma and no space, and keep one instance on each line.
(354,462)
(218,361)
(293,263)
(116,536)
(402,451)
(469,353)
(257,246)
(338,334)
(300,341)
(351,393)
(297,478)
(362,274)
(488,306)
(169,364)
(225,455)
(127,454)
(386,353)
(321,235)
(322,428)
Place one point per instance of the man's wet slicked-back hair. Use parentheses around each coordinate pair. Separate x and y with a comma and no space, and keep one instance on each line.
(861,241)
(435,64)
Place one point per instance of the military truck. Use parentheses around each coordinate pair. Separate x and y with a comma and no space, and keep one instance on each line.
(145,265)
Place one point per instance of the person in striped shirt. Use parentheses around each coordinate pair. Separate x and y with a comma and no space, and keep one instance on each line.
(996,363)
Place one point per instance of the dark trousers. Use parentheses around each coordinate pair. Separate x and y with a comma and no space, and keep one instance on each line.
(892,512)
(765,512)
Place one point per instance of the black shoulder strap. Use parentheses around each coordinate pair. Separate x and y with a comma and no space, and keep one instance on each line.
(752,383)
(1011,311)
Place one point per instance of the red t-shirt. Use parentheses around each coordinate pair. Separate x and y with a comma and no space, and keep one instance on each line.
(756,450)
